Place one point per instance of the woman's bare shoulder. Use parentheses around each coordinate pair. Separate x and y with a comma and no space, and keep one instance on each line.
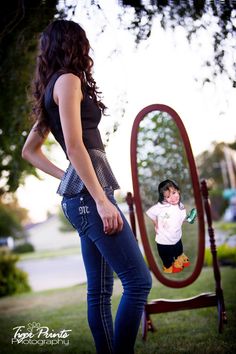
(68,79)
(67,84)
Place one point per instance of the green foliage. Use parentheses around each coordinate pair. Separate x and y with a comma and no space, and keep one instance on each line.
(22,21)
(195,17)
(12,279)
(212,166)
(226,255)
(10,223)
(233,145)
(209,164)
(229,227)
(24,248)
(17,60)
(161,155)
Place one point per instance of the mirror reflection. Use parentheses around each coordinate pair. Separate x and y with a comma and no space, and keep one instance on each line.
(161,155)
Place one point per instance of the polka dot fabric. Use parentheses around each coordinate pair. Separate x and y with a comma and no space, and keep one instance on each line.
(72,184)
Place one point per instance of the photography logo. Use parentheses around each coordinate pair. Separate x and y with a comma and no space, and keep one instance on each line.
(35,334)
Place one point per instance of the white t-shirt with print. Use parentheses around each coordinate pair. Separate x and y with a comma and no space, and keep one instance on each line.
(169,220)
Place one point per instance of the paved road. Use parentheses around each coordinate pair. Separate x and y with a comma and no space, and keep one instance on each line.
(51,273)
(65,271)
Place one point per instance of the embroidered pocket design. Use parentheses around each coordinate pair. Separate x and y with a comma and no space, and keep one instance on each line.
(84,210)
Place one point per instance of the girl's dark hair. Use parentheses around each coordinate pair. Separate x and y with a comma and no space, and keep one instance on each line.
(63,47)
(165,186)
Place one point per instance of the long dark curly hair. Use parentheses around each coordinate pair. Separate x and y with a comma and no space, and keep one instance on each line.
(63,47)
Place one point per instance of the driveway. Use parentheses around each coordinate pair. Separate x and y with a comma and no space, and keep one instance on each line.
(51,273)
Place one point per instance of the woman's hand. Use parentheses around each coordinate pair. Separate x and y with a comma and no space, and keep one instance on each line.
(112,221)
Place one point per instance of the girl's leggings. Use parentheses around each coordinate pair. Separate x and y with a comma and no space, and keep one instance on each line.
(168,253)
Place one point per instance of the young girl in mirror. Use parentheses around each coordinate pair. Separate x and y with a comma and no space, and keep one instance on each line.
(168,216)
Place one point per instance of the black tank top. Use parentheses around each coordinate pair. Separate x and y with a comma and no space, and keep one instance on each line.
(90,118)
(71,184)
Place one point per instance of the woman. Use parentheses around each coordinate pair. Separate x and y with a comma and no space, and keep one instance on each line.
(66,103)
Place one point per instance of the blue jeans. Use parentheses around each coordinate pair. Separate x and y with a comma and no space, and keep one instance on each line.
(103,255)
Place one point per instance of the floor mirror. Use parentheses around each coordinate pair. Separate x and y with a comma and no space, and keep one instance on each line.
(160,149)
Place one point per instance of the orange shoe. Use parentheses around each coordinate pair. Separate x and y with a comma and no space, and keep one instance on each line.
(184,260)
(178,263)
(172,269)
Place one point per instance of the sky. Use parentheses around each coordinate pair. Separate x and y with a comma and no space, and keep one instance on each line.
(162,69)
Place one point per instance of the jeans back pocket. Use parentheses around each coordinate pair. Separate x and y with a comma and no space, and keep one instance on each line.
(76,211)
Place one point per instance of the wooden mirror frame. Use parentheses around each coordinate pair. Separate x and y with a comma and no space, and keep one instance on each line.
(208,299)
(196,192)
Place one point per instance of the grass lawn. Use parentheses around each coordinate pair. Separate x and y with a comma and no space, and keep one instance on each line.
(193,331)
(49,254)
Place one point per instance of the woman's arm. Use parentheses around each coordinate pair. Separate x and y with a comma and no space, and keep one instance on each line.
(32,152)
(68,95)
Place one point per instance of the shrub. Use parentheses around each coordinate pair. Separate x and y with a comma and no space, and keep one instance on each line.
(12,279)
(24,248)
(226,255)
(228,227)
(10,223)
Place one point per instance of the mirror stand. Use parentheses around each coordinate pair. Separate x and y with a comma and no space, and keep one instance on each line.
(160,148)
(218,289)
(199,301)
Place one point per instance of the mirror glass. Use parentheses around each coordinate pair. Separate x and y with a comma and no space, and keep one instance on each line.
(161,155)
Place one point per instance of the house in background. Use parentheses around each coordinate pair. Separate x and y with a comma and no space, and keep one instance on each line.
(48,236)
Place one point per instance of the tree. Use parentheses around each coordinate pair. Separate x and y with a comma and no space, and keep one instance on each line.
(218,165)
(161,155)
(214,17)
(21,23)
(11,216)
